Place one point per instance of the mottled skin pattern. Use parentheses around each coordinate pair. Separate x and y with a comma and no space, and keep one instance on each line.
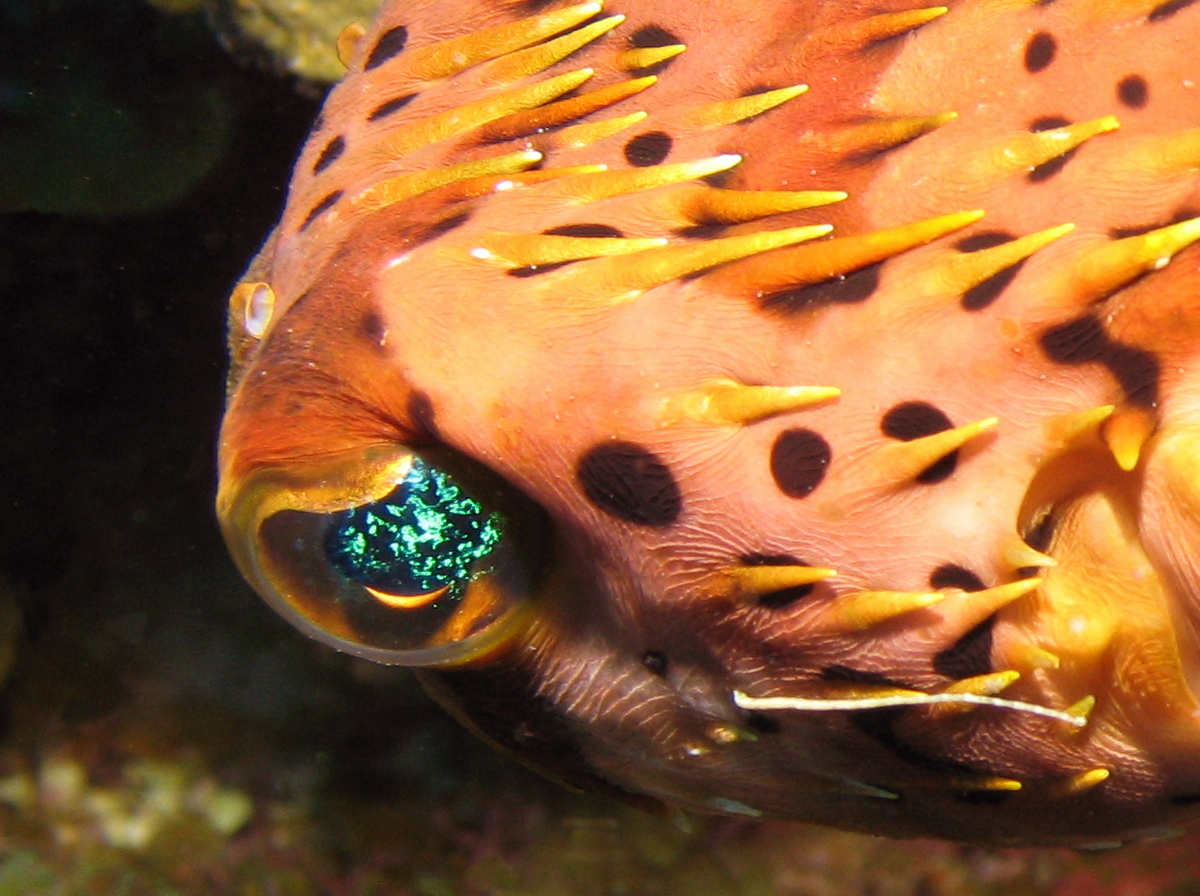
(1049,557)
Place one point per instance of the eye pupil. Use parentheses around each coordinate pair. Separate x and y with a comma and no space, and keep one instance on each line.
(426,535)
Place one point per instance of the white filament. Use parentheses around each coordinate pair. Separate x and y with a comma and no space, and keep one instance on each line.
(816,704)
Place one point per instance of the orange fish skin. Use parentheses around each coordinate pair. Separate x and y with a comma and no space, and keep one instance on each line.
(825,377)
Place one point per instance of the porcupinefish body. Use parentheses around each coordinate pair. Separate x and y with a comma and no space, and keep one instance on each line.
(776,408)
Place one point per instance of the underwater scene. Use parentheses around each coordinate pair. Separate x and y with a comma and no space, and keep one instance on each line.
(164,731)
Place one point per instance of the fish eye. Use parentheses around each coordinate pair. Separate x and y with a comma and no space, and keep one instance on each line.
(430,560)
(418,544)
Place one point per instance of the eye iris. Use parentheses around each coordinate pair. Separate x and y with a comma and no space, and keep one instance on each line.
(425,535)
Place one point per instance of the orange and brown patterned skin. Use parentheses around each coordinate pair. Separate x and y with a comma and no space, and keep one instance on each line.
(894,527)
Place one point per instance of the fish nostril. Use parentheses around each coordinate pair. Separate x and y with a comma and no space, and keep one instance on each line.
(258,307)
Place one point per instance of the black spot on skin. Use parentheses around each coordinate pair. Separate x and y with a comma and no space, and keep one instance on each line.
(656,662)
(422,414)
(872,156)
(839,672)
(755,91)
(720,179)
(1079,341)
(648,149)
(372,329)
(1137,370)
(630,483)
(984,293)
(320,208)
(1048,123)
(581,230)
(857,286)
(585,230)
(1123,233)
(985,239)
(532,270)
(987,291)
(1166,10)
(653,36)
(390,44)
(1084,341)
(702,232)
(331,153)
(444,226)
(1120,233)
(1039,52)
(1133,91)
(940,470)
(953,576)
(438,228)
(969,656)
(799,460)
(914,420)
(1047,170)
(383,110)
(776,600)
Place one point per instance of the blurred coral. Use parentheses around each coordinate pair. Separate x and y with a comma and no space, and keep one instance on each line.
(299,34)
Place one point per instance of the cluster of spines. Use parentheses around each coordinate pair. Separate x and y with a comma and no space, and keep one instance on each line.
(515,51)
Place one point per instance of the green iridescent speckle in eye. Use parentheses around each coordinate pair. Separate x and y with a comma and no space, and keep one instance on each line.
(427,534)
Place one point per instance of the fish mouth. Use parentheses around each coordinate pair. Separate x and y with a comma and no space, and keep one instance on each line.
(1115,621)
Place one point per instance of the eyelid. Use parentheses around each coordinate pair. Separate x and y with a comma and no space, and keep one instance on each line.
(243,503)
(276,521)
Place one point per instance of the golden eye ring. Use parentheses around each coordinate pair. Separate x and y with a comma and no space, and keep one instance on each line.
(408,557)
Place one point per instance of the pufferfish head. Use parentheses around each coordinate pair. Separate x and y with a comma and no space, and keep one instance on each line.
(791,411)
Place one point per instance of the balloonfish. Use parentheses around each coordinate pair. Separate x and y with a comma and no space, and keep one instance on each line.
(775,408)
